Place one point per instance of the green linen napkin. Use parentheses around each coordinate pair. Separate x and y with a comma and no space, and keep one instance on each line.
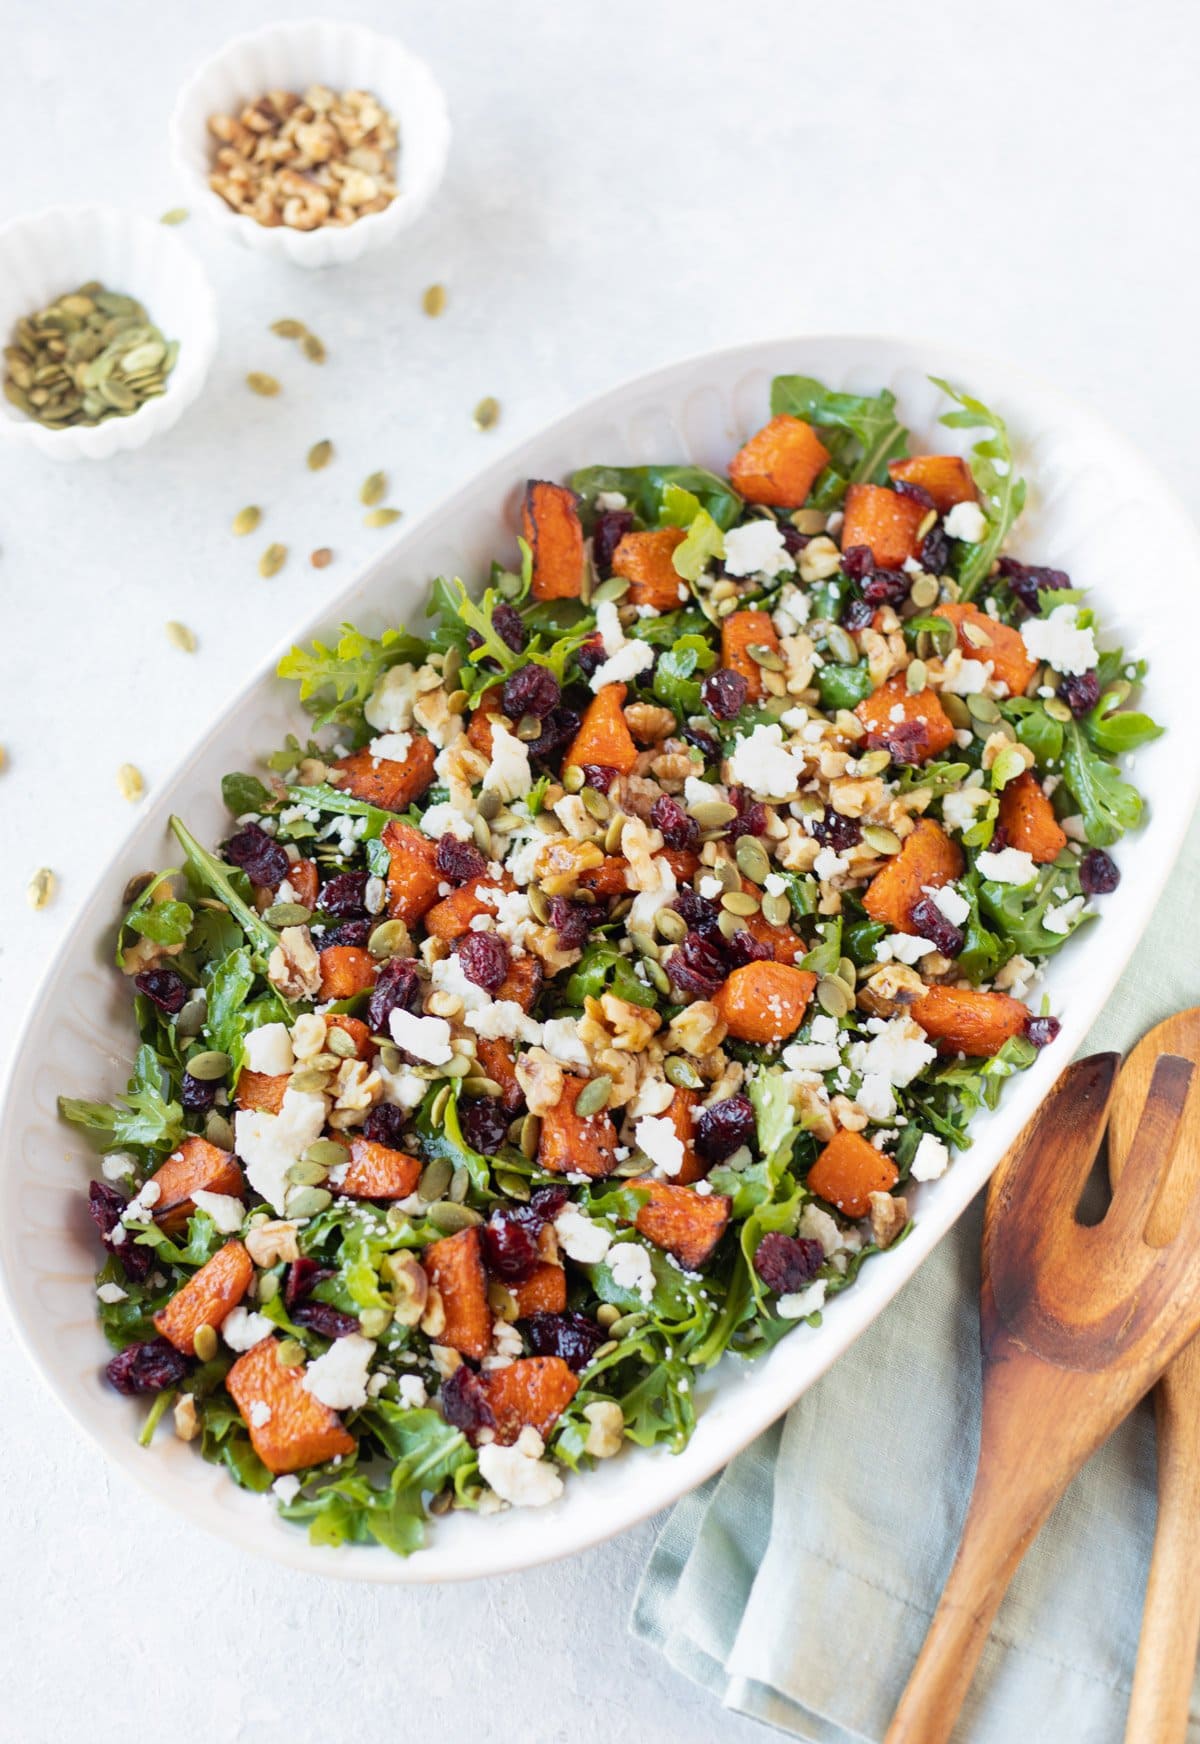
(798,1585)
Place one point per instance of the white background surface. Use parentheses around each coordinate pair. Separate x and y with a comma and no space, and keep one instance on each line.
(628,184)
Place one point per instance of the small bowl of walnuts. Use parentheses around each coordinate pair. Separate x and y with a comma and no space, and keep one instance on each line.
(316,141)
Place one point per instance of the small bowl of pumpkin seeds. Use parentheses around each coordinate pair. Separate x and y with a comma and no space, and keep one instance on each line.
(108,328)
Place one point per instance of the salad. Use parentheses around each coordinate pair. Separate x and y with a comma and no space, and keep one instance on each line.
(580,999)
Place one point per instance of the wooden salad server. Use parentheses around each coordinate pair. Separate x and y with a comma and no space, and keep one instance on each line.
(1076,1324)
(1166,1661)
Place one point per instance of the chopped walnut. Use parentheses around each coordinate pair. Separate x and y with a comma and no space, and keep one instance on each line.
(672,768)
(888,1218)
(848,1114)
(648,723)
(631,1025)
(269,1243)
(408,1287)
(606,1428)
(622,1068)
(187,1423)
(698,1028)
(890,989)
(541,1078)
(294,967)
(433,1319)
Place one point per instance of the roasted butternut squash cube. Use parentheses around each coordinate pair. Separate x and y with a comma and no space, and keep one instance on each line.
(963,1020)
(681,1112)
(779,464)
(451,918)
(544,1291)
(927,860)
(412,878)
(207,1297)
(740,632)
(603,736)
(479,728)
(571,1143)
(765,1001)
(264,1090)
(384,782)
(945,477)
(982,638)
(645,560)
(196,1164)
(848,1170)
(1028,821)
(346,971)
(289,1429)
(376,1171)
(531,1393)
(683,1222)
(454,1266)
(920,730)
(884,521)
(550,524)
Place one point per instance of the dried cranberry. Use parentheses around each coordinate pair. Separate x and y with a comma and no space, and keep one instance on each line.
(724,1128)
(887,587)
(506,621)
(1027,580)
(903,487)
(794,540)
(345,897)
(164,988)
(1041,1031)
(858,561)
(326,1321)
(531,690)
(999,838)
(1080,691)
(572,921)
(934,555)
(301,1279)
(484,1125)
(704,742)
(1098,873)
(559,728)
(105,1206)
(464,1402)
(723,692)
(547,1202)
(351,932)
(599,775)
(744,948)
(678,829)
(857,614)
(930,923)
(904,741)
(459,861)
(146,1368)
(385,1125)
(397,987)
(787,1262)
(510,1243)
(485,959)
(834,831)
(260,857)
(702,916)
(608,530)
(198,1095)
(591,656)
(574,1337)
(751,819)
(696,967)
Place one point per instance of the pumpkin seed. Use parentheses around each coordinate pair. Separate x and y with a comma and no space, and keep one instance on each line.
(636,1163)
(288,329)
(246,520)
(209,1066)
(777,910)
(489,805)
(340,1043)
(615,588)
(740,902)
(832,996)
(302,1174)
(515,1186)
(644,944)
(765,656)
(529,728)
(290,1353)
(190,1021)
(308,1201)
(130,783)
(218,1131)
(730,877)
(658,977)
(682,1073)
(924,590)
(382,517)
(626,1324)
(433,299)
(179,636)
(389,939)
(539,904)
(309,1078)
(435,1179)
(842,646)
(809,521)
(272,561)
(607,1315)
(260,383)
(319,455)
(572,778)
(882,840)
(458,1067)
(323,1062)
(437,1108)
(285,914)
(847,972)
(612,841)
(449,1218)
(982,708)
(926,525)
(916,677)
(752,859)
(956,709)
(712,814)
(873,762)
(375,1321)
(976,635)
(483,836)
(593,1098)
(477,1086)
(373,489)
(326,1152)
(90,356)
(204,1342)
(313,348)
(268,1286)
(460,1181)
(670,924)
(531,1134)
(730,924)
(176,215)
(487,413)
(1056,708)
(595,804)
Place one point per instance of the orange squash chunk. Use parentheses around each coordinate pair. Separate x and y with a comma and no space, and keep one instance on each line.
(479,727)
(946,477)
(531,1393)
(928,859)
(263,1090)
(586,1146)
(355,1028)
(962,1020)
(551,527)
(683,1222)
(741,631)
(765,1002)
(1028,821)
(196,1164)
(412,878)
(496,1057)
(779,464)
(305,881)
(544,1291)
(381,781)
(922,731)
(207,1297)
(454,1266)
(603,736)
(988,640)
(884,521)
(784,943)
(644,559)
(346,971)
(848,1170)
(523,982)
(608,878)
(451,918)
(300,1431)
(376,1171)
(681,1112)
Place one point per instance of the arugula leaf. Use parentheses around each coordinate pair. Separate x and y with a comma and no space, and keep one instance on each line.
(983,952)
(602,968)
(336,803)
(243,793)
(1108,805)
(645,487)
(939,778)
(157,915)
(862,432)
(1114,730)
(1003,493)
(213,874)
(142,1116)
(844,687)
(447,1141)
(1019,911)
(1035,728)
(336,682)
(674,683)
(772,1103)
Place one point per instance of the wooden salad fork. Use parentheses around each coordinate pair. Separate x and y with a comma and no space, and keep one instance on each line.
(1077,1323)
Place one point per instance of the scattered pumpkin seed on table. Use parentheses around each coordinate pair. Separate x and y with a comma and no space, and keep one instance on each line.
(177,215)
(487,413)
(313,348)
(319,455)
(41,887)
(246,520)
(180,636)
(260,383)
(374,488)
(289,329)
(433,300)
(381,517)
(272,561)
(93,354)
(130,782)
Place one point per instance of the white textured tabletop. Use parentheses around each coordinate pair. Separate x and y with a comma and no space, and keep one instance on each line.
(629,183)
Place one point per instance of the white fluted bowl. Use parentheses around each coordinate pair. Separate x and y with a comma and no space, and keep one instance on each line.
(289,57)
(52,252)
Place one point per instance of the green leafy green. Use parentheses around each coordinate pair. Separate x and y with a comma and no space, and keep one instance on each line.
(1114,731)
(674,681)
(227,884)
(861,431)
(645,488)
(601,969)
(245,793)
(336,682)
(1003,493)
(1108,804)
(142,1117)
(844,687)
(1018,912)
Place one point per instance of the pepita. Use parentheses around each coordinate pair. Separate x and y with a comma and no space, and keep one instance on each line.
(644,944)
(881,839)
(288,329)
(260,383)
(982,707)
(832,996)
(595,803)
(130,783)
(389,939)
(246,520)
(209,1066)
(764,656)
(713,814)
(92,355)
(1056,708)
(310,1078)
(593,1098)
(338,1041)
(916,677)
(313,348)
(740,902)
(449,1218)
(730,877)
(612,839)
(483,836)
(319,455)
(539,904)
(179,636)
(729,924)
(437,1108)
(515,1186)
(435,1179)
(308,1201)
(190,1021)
(290,1353)
(658,977)
(489,805)
(286,914)
(752,859)
(531,1134)
(777,910)
(671,926)
(615,588)
(924,590)
(218,1131)
(957,710)
(204,1342)
(302,1174)
(327,1153)
(572,778)
(627,1323)
(460,1182)
(375,1321)
(681,1072)
(477,1086)
(272,561)
(176,215)
(382,517)
(487,413)
(842,646)
(433,299)
(458,1067)
(373,489)
(529,728)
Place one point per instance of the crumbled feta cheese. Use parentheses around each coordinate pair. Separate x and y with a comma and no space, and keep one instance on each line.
(287,1487)
(697,792)
(117,1165)
(792,610)
(608,627)
(269,1144)
(967,677)
(875,1097)
(391,747)
(389,708)
(829,863)
(560,1038)
(1017,976)
(227,1212)
(817,1225)
(624,665)
(580,1238)
(269,1049)
(968,522)
(1060,919)
(897,1050)
(757,549)
(339,1378)
(951,901)
(930,1159)
(1009,866)
(518,1474)
(608,501)
(801,1303)
(661,1143)
(447,820)
(903,948)
(448,976)
(523,857)
(426,1038)
(631,1269)
(503,1019)
(402,1088)
(111,1293)
(413,1394)
(824,1028)
(509,773)
(711,888)
(774,885)
(812,1057)
(959,807)
(242,1329)
(761,763)
(259,1414)
(1060,642)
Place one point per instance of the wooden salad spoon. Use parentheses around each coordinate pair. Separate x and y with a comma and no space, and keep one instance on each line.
(1166,1661)
(1077,1323)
